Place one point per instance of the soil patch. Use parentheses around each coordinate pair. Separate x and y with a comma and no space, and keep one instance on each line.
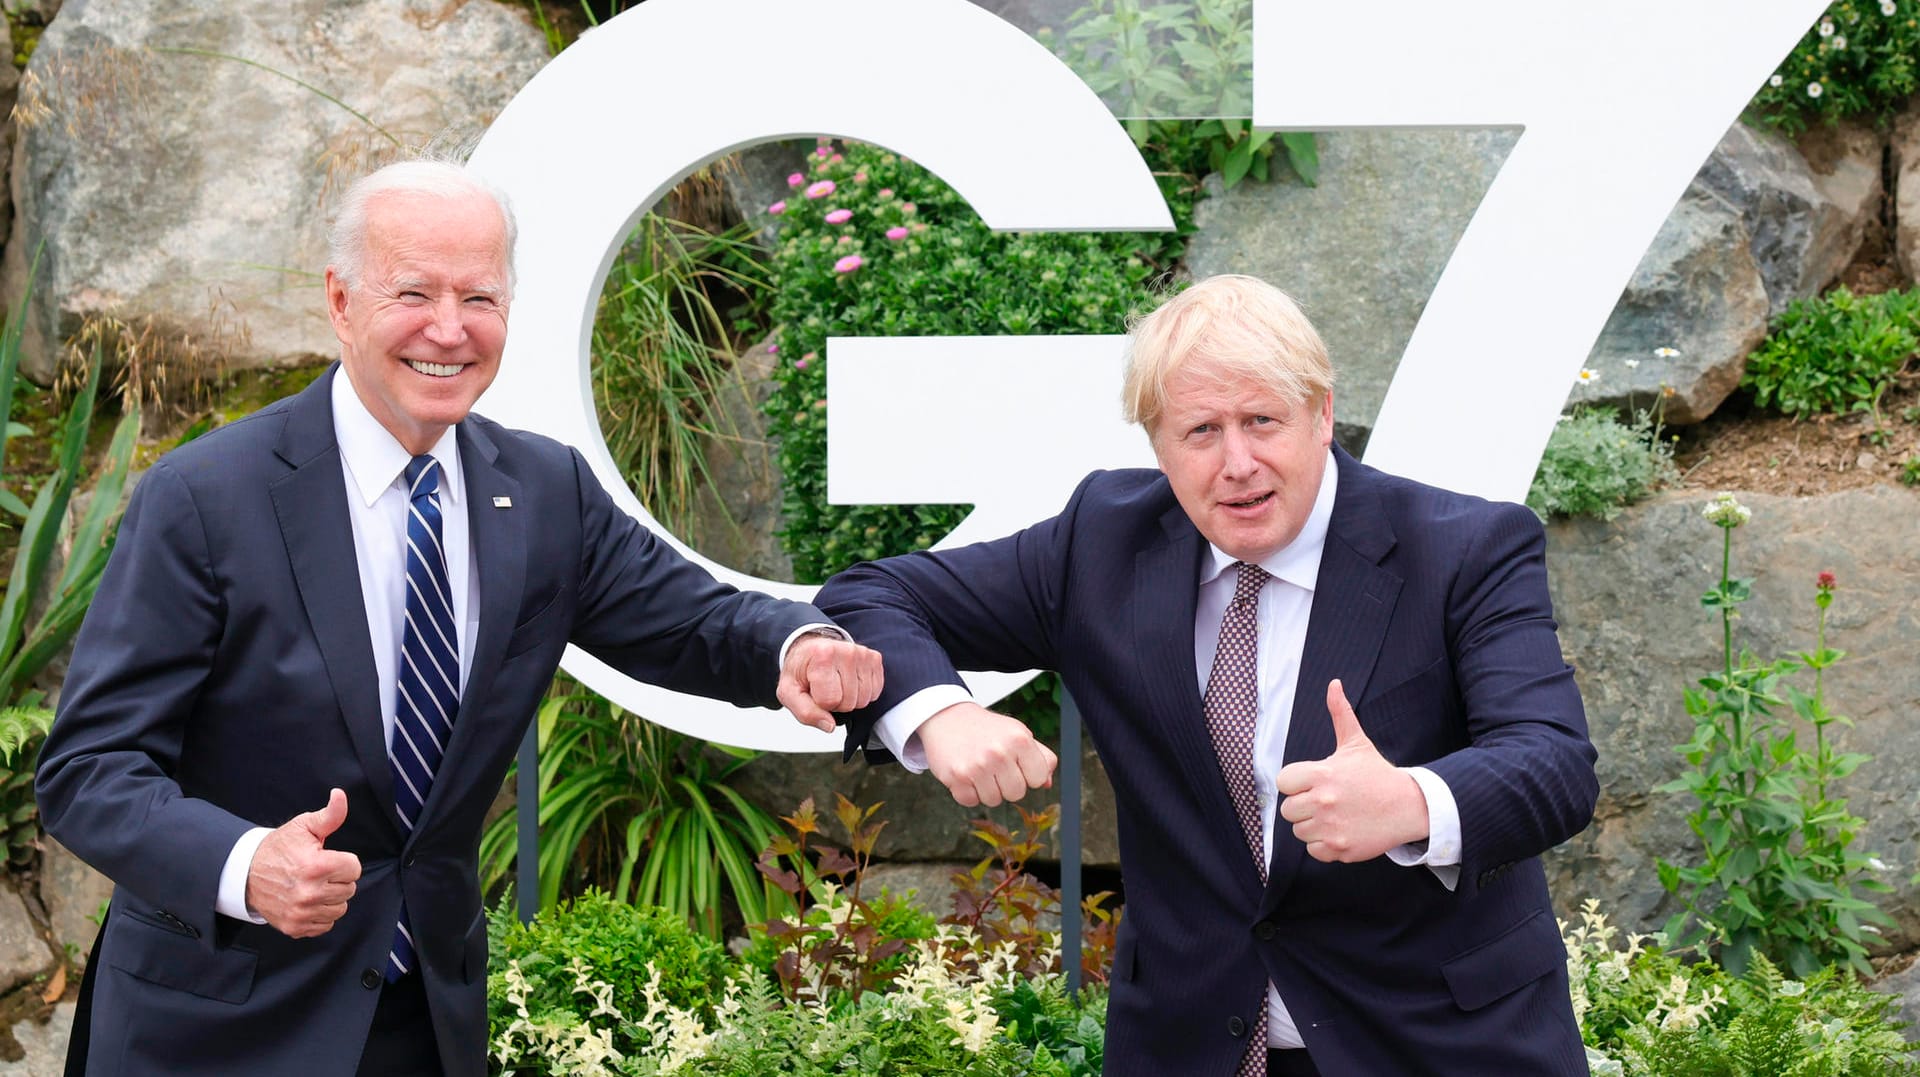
(1741,447)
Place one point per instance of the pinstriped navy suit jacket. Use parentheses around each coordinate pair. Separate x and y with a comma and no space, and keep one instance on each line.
(1432,608)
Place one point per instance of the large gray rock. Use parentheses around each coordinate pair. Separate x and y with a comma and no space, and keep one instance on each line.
(923,822)
(23,955)
(1697,292)
(1806,215)
(1905,161)
(43,1043)
(1361,251)
(1627,597)
(194,188)
(73,894)
(1758,228)
(740,529)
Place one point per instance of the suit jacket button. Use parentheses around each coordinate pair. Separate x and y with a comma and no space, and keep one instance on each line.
(370,979)
(1236,1027)
(1264,931)
(411,858)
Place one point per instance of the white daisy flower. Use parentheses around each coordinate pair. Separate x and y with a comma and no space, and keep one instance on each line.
(1814,89)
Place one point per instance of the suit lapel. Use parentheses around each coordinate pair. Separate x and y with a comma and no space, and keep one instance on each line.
(497,537)
(1353,602)
(310,502)
(1165,592)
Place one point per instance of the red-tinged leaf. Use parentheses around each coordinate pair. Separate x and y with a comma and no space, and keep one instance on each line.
(778,876)
(831,861)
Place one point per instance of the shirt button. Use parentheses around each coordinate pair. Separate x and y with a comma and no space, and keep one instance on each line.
(1236,1027)
(371,978)
(1264,931)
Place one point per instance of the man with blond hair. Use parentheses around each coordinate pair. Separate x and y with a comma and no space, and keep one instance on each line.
(322,633)
(1331,702)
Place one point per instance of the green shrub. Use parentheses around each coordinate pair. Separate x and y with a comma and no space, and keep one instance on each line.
(1595,464)
(1836,353)
(1644,1011)
(1858,59)
(911,260)
(595,939)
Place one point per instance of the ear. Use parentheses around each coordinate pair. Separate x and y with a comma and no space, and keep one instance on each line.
(337,307)
(1326,418)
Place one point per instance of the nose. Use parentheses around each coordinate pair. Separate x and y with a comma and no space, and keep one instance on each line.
(1237,455)
(446,328)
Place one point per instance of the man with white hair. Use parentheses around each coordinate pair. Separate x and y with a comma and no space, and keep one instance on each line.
(1331,702)
(321,635)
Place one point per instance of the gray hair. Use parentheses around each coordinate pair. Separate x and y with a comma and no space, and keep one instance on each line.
(347,239)
(1228,330)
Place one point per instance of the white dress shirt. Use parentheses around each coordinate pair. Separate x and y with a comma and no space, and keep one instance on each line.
(373,466)
(1284,608)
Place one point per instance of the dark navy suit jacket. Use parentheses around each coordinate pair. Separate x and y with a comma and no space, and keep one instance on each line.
(224,679)
(1432,609)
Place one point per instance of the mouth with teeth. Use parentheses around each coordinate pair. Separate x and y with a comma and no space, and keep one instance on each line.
(435,370)
(1249,503)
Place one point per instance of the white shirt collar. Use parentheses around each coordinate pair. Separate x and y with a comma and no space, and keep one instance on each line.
(375,459)
(1298,562)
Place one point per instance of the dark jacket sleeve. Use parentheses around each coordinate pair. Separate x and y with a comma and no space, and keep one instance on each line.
(656,616)
(1526,782)
(107,782)
(989,606)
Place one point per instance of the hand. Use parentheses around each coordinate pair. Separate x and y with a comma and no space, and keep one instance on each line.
(295,881)
(826,674)
(1352,805)
(982,757)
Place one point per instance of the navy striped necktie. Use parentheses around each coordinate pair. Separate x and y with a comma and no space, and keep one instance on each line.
(429,693)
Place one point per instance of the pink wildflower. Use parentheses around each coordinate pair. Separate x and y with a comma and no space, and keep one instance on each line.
(778,208)
(908,207)
(839,216)
(796,179)
(772,348)
(1825,581)
(822,151)
(886,192)
(848,264)
(896,233)
(859,177)
(820,190)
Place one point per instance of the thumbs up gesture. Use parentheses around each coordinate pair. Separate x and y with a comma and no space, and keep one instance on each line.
(1353,805)
(299,885)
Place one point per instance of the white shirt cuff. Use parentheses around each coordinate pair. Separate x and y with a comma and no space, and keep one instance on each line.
(899,728)
(807,630)
(231,898)
(1441,851)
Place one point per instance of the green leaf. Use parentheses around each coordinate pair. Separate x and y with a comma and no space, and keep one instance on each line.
(1303,155)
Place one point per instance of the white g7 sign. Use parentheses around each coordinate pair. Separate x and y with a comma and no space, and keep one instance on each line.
(1619,103)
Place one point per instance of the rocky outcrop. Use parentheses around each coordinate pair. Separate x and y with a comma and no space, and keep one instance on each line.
(173,167)
(1905,154)
(1627,597)
(23,954)
(1696,306)
(1758,228)
(43,1045)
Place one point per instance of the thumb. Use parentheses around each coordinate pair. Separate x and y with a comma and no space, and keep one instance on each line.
(321,824)
(1346,724)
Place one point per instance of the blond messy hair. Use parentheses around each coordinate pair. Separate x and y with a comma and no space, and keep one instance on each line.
(1229,330)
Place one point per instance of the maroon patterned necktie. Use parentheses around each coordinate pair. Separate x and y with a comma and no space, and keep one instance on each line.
(1232,707)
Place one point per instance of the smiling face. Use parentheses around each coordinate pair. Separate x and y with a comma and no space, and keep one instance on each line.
(1244,462)
(422,332)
